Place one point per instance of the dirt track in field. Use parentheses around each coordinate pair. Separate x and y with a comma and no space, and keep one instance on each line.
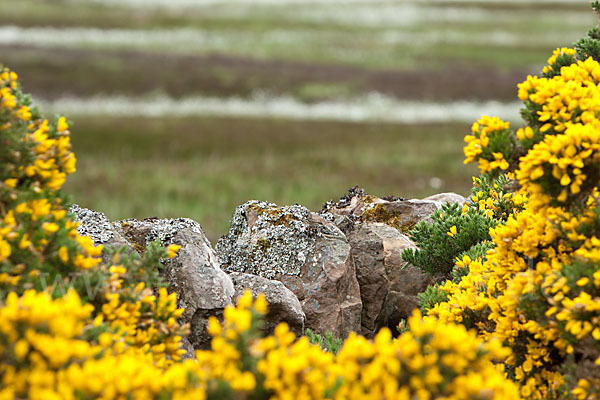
(53,72)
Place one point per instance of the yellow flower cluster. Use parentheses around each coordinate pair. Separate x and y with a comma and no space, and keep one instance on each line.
(553,66)
(563,163)
(570,97)
(295,369)
(559,165)
(225,360)
(53,159)
(45,356)
(148,323)
(431,360)
(556,53)
(33,228)
(490,297)
(38,337)
(48,345)
(35,159)
(478,144)
(8,83)
(495,201)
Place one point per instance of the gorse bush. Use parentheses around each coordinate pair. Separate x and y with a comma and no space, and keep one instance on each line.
(538,289)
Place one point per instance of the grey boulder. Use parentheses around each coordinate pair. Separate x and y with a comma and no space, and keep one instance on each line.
(304,251)
(284,306)
(97,226)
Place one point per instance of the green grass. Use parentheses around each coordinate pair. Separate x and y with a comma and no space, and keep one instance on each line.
(204,168)
(291,32)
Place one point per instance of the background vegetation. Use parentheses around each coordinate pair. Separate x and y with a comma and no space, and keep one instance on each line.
(202,166)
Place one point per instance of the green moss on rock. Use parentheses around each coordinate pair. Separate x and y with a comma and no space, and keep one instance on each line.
(381,213)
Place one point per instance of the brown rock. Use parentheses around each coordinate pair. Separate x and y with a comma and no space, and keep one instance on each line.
(369,255)
(388,286)
(400,214)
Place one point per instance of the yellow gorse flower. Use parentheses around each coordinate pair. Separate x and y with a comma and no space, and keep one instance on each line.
(452,231)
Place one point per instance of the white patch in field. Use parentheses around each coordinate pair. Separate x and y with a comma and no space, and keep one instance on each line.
(191,40)
(374,107)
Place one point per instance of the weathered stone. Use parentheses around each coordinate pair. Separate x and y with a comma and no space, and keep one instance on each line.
(448,197)
(401,214)
(97,226)
(267,240)
(368,255)
(406,280)
(284,306)
(309,254)
(388,286)
(396,212)
(202,288)
(189,349)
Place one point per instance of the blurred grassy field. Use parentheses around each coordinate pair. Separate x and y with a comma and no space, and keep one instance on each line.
(171,168)
(203,167)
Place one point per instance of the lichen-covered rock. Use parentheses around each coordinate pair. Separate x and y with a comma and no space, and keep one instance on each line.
(388,286)
(202,288)
(284,306)
(396,212)
(97,226)
(267,240)
(448,197)
(309,254)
